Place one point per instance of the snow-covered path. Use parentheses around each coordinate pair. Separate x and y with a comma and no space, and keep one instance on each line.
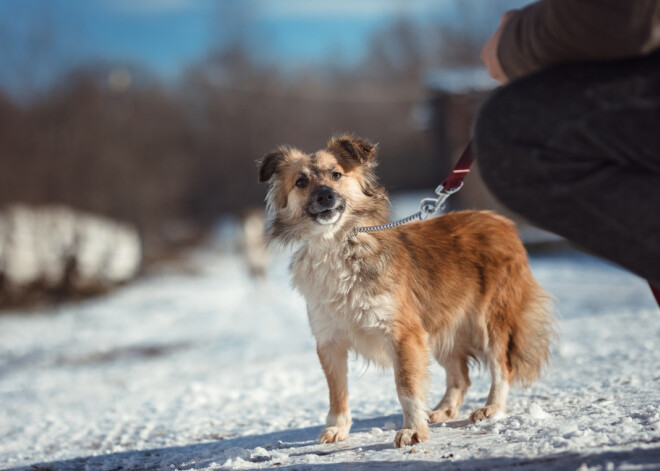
(213,371)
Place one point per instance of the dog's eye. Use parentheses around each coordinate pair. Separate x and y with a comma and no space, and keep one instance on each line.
(301,182)
(336,175)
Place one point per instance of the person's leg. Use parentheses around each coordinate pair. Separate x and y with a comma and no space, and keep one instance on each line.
(576,150)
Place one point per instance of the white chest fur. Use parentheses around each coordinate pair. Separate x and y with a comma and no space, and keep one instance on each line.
(344,302)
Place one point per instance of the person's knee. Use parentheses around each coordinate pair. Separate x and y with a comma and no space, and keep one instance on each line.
(515,124)
(494,144)
(508,131)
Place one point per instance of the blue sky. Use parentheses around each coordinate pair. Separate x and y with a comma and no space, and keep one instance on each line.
(167,35)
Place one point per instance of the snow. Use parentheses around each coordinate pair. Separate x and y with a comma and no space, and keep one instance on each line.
(215,371)
(40,245)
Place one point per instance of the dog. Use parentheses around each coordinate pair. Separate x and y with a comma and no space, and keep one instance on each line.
(457,286)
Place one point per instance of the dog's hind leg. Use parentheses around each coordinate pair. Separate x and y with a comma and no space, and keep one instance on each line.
(499,389)
(458,382)
(410,374)
(334,360)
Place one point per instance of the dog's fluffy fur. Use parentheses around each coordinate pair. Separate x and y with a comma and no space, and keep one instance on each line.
(457,287)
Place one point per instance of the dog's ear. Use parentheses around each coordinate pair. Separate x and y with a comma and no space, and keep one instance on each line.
(270,163)
(353,151)
(354,148)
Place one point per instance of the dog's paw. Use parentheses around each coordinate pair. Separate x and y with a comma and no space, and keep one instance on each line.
(484,413)
(333,434)
(437,416)
(408,436)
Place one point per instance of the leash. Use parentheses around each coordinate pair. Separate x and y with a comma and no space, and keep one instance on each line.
(448,187)
(656,292)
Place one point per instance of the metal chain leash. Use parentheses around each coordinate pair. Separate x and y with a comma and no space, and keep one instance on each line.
(390,225)
(448,187)
(428,207)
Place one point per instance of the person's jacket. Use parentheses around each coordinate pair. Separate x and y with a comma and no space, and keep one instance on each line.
(552,32)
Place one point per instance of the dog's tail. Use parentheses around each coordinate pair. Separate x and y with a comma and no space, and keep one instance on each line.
(532,336)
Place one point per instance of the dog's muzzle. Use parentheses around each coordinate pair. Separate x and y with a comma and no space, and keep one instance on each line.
(325,206)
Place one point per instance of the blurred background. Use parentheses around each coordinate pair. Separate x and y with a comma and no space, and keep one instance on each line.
(130,128)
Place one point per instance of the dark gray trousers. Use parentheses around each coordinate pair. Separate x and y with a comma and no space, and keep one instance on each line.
(576,150)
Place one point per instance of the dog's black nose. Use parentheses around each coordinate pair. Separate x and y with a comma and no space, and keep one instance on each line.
(325,197)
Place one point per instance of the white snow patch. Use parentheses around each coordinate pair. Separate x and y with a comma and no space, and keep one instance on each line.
(536,412)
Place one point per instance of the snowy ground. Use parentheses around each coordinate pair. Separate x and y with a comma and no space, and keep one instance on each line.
(214,371)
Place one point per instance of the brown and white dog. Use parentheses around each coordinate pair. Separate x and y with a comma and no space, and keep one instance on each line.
(457,286)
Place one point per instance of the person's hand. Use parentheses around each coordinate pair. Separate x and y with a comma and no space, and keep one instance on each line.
(489,51)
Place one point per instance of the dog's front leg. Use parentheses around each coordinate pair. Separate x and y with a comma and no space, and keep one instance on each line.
(410,372)
(334,360)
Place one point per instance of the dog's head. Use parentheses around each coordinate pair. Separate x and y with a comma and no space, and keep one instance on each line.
(322,193)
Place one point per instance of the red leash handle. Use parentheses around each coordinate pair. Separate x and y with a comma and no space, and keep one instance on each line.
(449,186)
(656,292)
(455,179)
